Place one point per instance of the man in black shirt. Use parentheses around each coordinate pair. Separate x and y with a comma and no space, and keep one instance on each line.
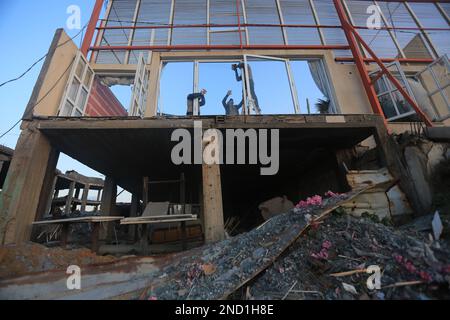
(241,77)
(231,109)
(190,102)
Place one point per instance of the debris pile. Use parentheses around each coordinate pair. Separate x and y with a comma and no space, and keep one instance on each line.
(331,262)
(299,255)
(218,270)
(18,260)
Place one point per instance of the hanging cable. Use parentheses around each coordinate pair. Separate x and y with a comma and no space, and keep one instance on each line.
(42,58)
(40,100)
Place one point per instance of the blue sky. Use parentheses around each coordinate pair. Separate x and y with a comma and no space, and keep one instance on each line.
(26,31)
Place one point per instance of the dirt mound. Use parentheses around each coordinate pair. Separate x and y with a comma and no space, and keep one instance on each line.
(16,260)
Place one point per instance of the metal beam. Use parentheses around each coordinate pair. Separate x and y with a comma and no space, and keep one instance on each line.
(91,27)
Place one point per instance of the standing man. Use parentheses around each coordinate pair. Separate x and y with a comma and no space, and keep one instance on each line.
(190,102)
(231,109)
(241,77)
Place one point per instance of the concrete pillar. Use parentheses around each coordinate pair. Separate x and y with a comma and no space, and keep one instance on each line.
(25,187)
(108,203)
(212,204)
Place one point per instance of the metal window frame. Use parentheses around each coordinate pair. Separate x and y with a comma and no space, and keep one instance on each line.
(132,33)
(88,87)
(394,38)
(442,11)
(391,90)
(317,20)
(171,19)
(428,43)
(292,84)
(440,89)
(139,96)
(244,14)
(291,80)
(281,17)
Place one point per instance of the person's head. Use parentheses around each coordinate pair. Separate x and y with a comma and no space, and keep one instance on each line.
(230,102)
(204,91)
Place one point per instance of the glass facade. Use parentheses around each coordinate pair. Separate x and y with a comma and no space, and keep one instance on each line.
(416,30)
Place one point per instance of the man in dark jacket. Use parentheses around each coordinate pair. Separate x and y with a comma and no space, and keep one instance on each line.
(190,102)
(231,109)
(241,77)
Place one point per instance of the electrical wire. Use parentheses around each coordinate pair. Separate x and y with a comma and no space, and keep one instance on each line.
(51,89)
(45,96)
(42,58)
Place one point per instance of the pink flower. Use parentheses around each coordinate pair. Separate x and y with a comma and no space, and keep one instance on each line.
(398,258)
(425,276)
(311,201)
(326,244)
(410,267)
(331,194)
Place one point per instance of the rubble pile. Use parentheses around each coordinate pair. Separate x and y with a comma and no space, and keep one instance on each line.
(297,256)
(18,260)
(216,271)
(412,266)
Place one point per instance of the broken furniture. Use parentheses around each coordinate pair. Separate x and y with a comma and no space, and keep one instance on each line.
(96,221)
(157,213)
(162,212)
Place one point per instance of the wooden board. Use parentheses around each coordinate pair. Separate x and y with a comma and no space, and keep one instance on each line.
(151,221)
(174,216)
(79,220)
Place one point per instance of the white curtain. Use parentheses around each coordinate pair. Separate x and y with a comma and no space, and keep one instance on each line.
(317,73)
(422,99)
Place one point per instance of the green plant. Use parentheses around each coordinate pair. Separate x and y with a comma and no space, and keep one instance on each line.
(323,106)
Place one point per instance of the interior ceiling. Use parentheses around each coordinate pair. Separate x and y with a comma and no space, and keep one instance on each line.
(130,154)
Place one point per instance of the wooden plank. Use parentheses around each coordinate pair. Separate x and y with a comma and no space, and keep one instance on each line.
(145,183)
(133,214)
(79,220)
(128,222)
(174,216)
(212,204)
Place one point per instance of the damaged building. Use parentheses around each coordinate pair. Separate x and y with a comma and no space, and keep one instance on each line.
(357,109)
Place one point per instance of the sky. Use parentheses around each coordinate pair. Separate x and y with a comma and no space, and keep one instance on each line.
(26,30)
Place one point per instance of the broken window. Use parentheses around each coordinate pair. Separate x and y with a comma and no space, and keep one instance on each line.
(392,102)
(140,90)
(78,88)
(436,81)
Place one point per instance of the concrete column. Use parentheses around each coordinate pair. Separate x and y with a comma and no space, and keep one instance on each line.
(108,203)
(34,160)
(212,204)
(84,198)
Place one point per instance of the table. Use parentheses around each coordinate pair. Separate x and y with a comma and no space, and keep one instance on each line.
(95,220)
